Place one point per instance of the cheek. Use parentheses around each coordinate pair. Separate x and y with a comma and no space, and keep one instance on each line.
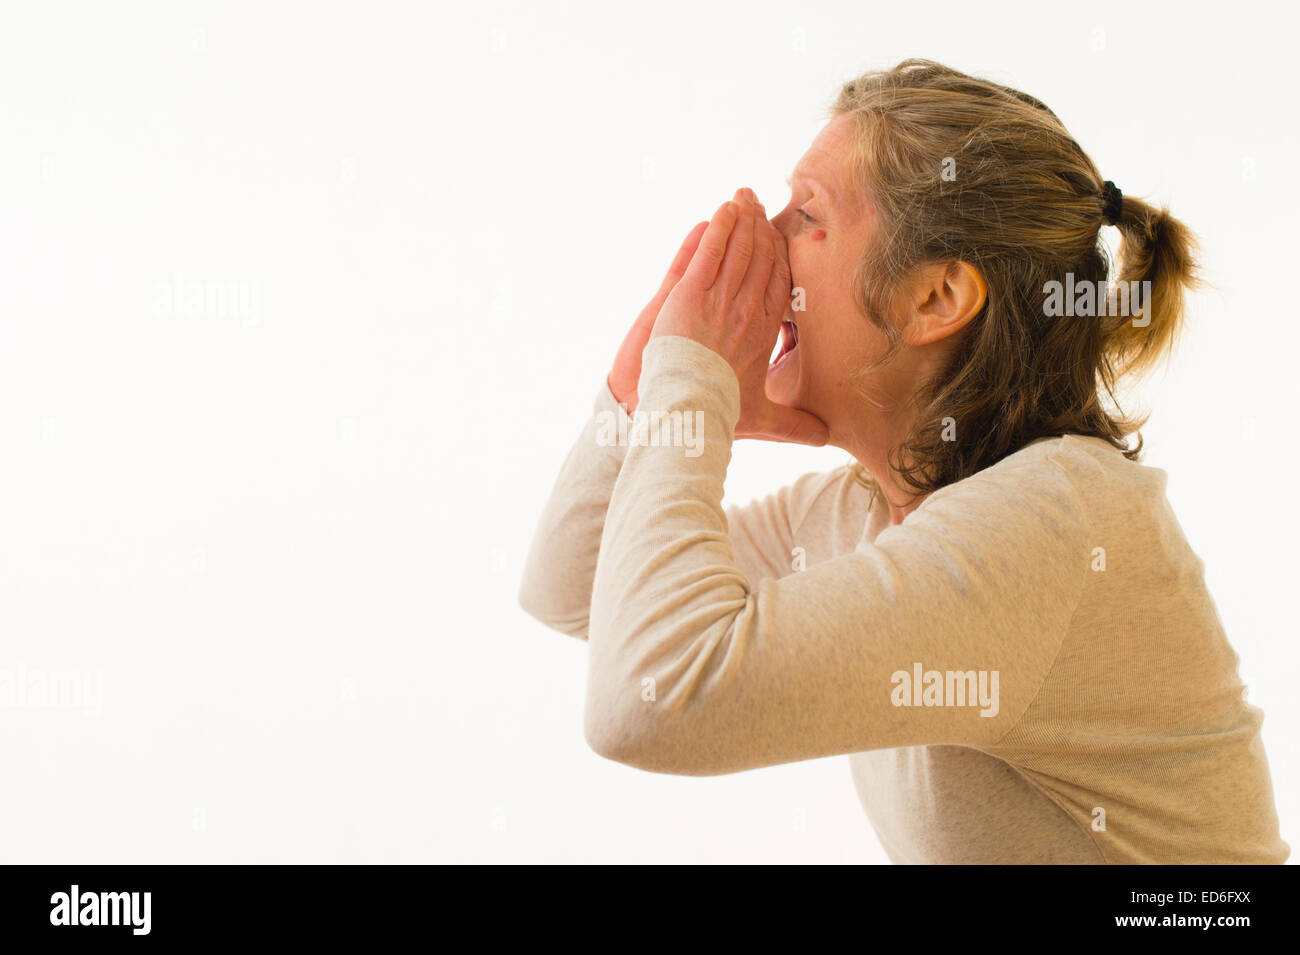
(812,268)
(804,274)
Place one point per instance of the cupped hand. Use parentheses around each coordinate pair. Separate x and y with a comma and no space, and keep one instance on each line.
(731,299)
(626,373)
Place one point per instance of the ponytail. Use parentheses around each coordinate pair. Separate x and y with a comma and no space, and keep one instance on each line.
(1158,257)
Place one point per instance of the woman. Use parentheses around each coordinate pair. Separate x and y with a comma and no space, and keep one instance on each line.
(993,610)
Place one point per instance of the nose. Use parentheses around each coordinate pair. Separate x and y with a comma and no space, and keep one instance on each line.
(782,222)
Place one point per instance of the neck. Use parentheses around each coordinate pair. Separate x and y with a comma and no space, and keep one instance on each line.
(871,446)
(901,498)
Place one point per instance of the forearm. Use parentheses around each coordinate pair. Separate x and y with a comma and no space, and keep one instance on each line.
(561,563)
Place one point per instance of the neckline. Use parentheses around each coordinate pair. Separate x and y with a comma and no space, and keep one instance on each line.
(878,503)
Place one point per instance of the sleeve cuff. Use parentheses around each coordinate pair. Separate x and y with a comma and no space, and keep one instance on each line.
(605,401)
(609,420)
(677,371)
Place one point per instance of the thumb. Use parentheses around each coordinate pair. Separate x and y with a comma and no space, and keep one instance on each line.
(781,423)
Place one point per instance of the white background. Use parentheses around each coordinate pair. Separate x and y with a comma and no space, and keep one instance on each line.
(303,305)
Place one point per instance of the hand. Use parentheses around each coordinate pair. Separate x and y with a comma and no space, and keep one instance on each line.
(625,374)
(731,299)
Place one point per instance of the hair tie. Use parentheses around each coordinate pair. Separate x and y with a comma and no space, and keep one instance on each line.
(1113,202)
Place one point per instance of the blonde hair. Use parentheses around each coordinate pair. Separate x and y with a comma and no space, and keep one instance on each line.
(1023,204)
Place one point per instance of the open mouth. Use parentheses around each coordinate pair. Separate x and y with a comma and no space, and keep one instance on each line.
(788,343)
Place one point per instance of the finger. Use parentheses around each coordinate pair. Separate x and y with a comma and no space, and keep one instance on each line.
(703,270)
(779,423)
(740,249)
(684,255)
(778,286)
(675,272)
(754,289)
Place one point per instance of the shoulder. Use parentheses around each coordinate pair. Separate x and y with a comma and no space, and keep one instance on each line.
(814,500)
(1034,501)
(1061,487)
(834,492)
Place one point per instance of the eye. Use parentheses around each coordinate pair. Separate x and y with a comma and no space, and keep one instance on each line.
(805,217)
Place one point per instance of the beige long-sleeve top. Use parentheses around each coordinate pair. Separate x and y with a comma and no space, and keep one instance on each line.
(1027,669)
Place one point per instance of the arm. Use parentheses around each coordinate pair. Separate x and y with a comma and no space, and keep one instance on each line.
(561,564)
(984,576)
(765,532)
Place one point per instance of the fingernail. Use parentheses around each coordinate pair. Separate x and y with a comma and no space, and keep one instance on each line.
(732,206)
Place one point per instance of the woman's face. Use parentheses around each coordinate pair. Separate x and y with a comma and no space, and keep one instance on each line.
(827,225)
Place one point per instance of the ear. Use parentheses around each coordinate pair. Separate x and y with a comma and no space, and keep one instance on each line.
(944,298)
